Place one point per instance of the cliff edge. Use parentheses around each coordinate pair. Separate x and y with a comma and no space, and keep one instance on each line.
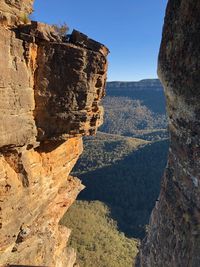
(50,89)
(173,238)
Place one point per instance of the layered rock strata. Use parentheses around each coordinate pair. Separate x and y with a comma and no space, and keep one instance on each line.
(50,89)
(173,238)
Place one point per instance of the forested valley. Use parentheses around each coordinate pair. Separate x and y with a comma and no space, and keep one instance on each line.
(122,168)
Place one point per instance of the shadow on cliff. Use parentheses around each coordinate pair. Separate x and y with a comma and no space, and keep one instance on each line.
(129,187)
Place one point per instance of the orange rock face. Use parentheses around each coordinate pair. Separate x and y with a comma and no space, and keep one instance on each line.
(50,89)
(35,191)
(14,12)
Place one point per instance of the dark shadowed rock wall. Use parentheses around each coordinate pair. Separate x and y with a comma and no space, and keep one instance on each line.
(173,238)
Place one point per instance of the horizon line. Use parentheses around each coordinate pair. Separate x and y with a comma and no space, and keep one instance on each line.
(130,81)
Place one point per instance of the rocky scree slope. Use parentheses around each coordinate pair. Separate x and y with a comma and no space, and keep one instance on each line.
(173,238)
(49,98)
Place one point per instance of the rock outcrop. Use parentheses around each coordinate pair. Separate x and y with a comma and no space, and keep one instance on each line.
(50,89)
(14,12)
(173,238)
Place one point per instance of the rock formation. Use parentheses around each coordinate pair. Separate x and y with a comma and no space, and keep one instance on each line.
(173,238)
(14,12)
(50,89)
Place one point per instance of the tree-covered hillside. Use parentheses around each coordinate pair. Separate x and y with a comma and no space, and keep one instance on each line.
(104,150)
(149,92)
(129,117)
(122,168)
(96,238)
(128,183)
(135,109)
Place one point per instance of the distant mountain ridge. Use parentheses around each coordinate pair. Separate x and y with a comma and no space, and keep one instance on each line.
(144,84)
(144,102)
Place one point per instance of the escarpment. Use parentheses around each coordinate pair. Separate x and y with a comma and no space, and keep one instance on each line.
(50,88)
(173,238)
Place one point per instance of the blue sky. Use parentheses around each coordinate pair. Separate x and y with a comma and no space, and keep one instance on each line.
(131,29)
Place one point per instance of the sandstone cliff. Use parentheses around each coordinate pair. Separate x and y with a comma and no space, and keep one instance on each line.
(50,90)
(173,238)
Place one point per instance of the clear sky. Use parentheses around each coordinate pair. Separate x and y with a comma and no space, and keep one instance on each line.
(131,29)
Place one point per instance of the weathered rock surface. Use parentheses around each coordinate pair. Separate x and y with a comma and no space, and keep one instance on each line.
(49,98)
(14,12)
(16,93)
(36,190)
(68,98)
(173,239)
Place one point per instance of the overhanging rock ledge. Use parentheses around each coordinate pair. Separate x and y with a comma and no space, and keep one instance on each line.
(50,91)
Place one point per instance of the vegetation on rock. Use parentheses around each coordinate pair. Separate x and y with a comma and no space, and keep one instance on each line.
(61,29)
